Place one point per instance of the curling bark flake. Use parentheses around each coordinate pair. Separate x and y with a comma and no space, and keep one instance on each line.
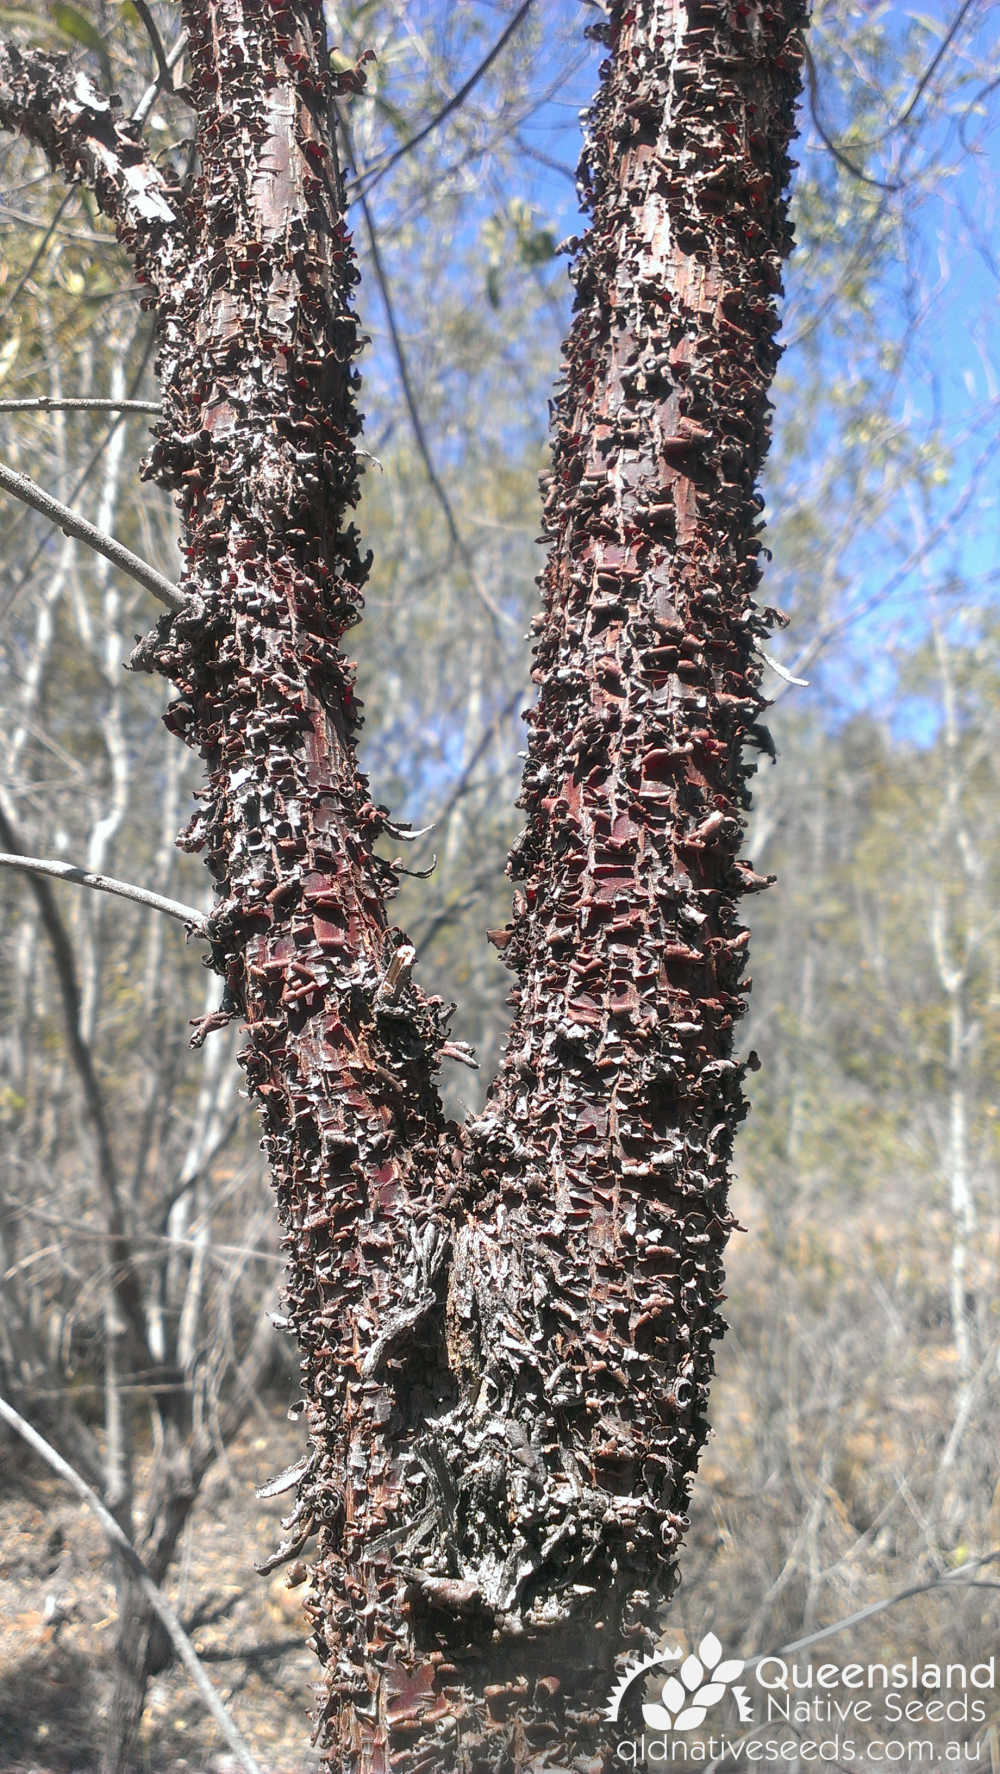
(506,1329)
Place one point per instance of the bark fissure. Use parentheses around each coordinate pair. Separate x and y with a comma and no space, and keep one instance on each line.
(506,1330)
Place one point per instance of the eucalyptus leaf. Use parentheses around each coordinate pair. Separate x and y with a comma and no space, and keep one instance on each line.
(28,20)
(75,24)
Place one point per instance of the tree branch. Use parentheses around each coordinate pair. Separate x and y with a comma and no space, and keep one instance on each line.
(437,487)
(961,1574)
(46,403)
(37,256)
(124,1277)
(928,74)
(163,66)
(839,155)
(68,871)
(153,91)
(73,525)
(49,102)
(82,478)
(154,1595)
(961,1577)
(370,178)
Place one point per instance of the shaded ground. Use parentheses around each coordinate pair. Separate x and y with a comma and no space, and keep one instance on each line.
(57,1620)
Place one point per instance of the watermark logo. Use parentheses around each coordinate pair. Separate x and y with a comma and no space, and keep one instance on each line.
(845,1714)
(687,1695)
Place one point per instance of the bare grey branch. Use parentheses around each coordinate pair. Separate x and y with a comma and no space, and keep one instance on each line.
(45,403)
(68,871)
(154,1595)
(73,525)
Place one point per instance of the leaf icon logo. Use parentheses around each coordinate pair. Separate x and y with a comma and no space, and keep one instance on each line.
(686,1697)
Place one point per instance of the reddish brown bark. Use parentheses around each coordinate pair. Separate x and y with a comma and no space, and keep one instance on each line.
(585,1281)
(506,1330)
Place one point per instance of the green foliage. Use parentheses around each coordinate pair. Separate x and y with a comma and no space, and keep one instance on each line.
(75,25)
(64,22)
(512,234)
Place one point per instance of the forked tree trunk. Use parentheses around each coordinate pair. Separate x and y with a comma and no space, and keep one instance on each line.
(506,1329)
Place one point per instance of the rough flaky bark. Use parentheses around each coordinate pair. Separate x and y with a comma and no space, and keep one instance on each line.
(506,1330)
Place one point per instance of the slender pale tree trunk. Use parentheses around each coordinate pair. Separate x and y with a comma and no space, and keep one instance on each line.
(957,924)
(506,1330)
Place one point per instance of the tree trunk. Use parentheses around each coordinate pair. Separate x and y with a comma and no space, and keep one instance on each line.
(584,1283)
(142,1647)
(121,1753)
(506,1329)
